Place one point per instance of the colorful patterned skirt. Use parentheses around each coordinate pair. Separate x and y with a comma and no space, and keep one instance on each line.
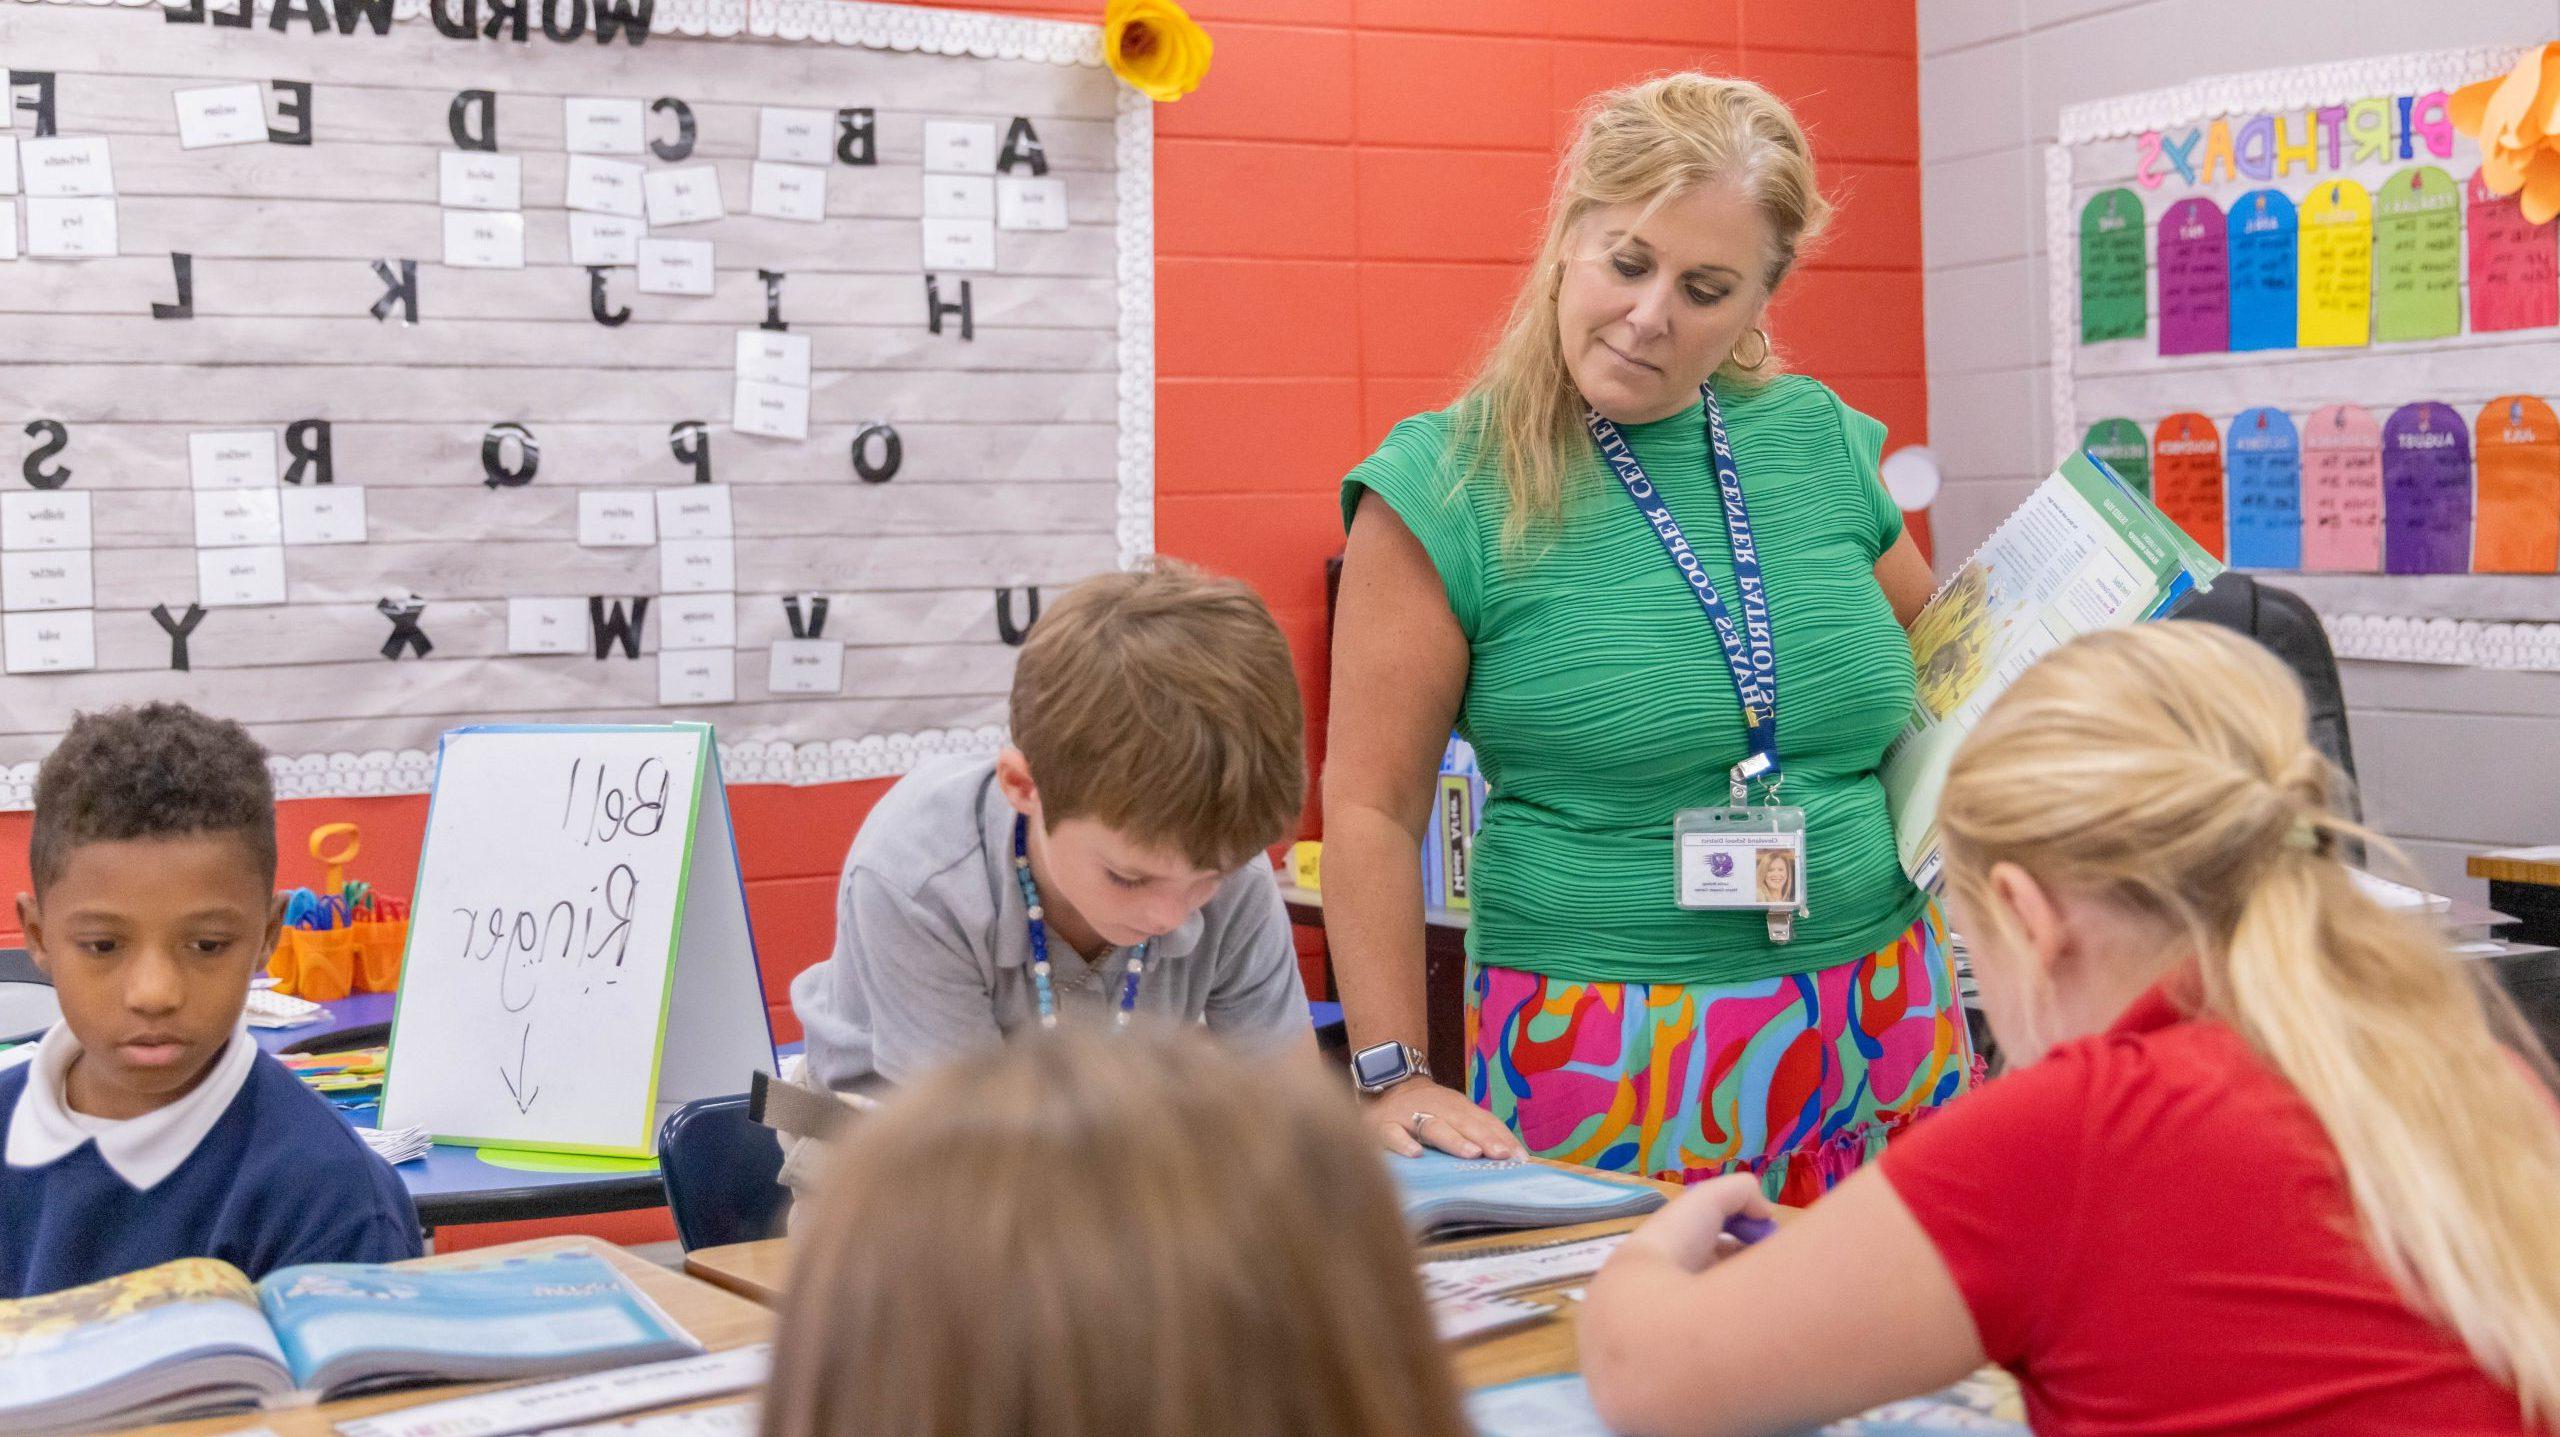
(1797,1079)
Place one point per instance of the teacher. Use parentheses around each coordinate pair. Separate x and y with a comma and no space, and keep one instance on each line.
(1693,949)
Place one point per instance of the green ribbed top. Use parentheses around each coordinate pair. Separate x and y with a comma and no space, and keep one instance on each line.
(1600,703)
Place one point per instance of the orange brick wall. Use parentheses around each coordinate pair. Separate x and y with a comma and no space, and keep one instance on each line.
(1341,213)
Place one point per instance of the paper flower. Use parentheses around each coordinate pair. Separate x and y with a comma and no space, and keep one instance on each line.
(1153,45)
(2516,119)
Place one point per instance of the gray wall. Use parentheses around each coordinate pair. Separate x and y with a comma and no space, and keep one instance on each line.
(2453,760)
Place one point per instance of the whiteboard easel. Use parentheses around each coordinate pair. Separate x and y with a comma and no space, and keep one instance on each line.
(579,960)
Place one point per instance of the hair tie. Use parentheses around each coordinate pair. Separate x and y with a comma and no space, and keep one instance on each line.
(2303,835)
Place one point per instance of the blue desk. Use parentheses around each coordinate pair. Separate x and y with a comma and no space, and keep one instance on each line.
(359,1020)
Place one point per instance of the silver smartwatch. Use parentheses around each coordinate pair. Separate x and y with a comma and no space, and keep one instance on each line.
(1381,1066)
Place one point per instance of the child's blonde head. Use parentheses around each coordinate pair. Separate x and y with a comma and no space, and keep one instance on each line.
(2165,770)
(1098,1236)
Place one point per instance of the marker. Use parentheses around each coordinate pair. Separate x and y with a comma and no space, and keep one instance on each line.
(1746,1229)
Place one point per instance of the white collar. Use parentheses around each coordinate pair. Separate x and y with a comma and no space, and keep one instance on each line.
(144,1150)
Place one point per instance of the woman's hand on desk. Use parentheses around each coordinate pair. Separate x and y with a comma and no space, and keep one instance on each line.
(1689,1231)
(1411,1115)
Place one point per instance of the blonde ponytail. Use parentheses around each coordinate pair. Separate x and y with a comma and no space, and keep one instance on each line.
(1641,144)
(2167,767)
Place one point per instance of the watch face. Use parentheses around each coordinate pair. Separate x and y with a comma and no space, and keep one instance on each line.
(1382,1064)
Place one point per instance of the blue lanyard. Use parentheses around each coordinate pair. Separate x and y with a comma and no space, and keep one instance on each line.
(1039,921)
(1747,647)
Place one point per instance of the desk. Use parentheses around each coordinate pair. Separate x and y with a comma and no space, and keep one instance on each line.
(358,1020)
(717,1320)
(452,1185)
(1444,978)
(2526,883)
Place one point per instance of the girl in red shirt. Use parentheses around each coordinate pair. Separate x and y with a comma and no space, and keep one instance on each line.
(2269,1161)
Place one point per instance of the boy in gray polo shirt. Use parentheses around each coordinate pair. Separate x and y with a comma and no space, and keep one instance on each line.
(1157,750)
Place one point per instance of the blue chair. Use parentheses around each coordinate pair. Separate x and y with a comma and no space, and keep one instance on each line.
(723,1173)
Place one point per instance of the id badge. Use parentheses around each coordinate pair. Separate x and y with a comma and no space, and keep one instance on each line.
(1742,857)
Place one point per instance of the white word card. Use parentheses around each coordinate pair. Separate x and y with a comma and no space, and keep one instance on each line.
(776,411)
(806,666)
(67,169)
(605,127)
(616,519)
(50,643)
(699,621)
(604,186)
(960,148)
(959,197)
(480,180)
(483,239)
(232,459)
(596,240)
(71,229)
(8,164)
(46,579)
(222,115)
(324,514)
(799,137)
(44,519)
(697,566)
(695,511)
(675,266)
(547,626)
(227,517)
(683,197)
(697,676)
(239,578)
(959,244)
(770,358)
(1031,204)
(788,192)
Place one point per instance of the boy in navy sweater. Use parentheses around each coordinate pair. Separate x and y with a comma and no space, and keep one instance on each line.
(149,1126)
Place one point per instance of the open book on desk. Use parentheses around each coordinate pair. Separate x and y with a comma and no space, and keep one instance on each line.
(1443,1196)
(2084,552)
(196,1337)
(1986,1404)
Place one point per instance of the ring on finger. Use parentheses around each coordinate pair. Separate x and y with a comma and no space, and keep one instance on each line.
(1419,1119)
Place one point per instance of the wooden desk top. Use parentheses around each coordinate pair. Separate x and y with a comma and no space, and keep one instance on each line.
(716,1319)
(1307,905)
(2517,865)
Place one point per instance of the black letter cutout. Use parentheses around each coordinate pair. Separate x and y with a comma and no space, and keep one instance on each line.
(178,629)
(493,456)
(811,625)
(595,300)
(1022,147)
(893,452)
(401,290)
(184,267)
(935,309)
(239,19)
(614,17)
(683,112)
(191,13)
(691,441)
(457,117)
(42,108)
(313,451)
(55,439)
(405,633)
(293,102)
(1005,630)
(615,627)
(467,27)
(857,136)
(281,13)
(575,29)
(503,13)
(376,13)
(772,300)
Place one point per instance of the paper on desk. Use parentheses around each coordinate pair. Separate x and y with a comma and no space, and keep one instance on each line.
(1460,1314)
(734,1419)
(543,1406)
(1518,1271)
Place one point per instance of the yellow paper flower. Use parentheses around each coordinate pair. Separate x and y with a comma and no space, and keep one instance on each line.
(2516,119)
(1155,46)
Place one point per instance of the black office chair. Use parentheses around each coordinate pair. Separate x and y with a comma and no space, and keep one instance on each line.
(2286,626)
(723,1173)
(27,1005)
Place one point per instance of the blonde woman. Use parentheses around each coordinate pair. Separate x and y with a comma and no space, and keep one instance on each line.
(1550,565)
(2271,1162)
(1089,1236)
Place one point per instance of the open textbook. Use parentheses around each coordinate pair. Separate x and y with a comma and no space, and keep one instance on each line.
(1985,1404)
(1441,1194)
(2084,552)
(195,1336)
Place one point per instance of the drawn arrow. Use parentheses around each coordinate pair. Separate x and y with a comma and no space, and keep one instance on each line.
(515,1085)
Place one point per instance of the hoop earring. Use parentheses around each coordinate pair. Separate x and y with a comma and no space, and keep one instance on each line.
(1739,362)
